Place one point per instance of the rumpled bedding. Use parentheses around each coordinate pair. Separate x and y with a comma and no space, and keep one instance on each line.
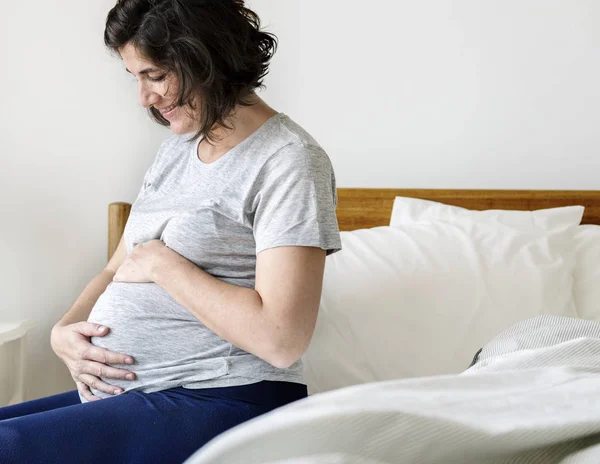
(531,396)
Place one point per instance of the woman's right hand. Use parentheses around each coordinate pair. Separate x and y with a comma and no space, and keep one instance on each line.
(86,362)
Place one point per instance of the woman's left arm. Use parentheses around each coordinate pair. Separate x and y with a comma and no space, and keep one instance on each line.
(275,321)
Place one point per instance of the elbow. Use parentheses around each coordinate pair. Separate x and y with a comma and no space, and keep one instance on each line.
(284,362)
(288,343)
(285,355)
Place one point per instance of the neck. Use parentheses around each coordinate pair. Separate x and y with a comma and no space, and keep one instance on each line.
(245,120)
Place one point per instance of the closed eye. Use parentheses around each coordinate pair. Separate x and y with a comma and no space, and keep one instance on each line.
(152,79)
(157,79)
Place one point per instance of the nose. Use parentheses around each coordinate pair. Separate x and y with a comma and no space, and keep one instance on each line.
(147,97)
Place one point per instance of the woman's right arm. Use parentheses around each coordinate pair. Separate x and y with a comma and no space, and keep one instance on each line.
(70,338)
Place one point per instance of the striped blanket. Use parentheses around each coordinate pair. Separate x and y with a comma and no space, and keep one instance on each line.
(532,395)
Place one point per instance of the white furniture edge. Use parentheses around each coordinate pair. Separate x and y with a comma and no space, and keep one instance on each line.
(15,330)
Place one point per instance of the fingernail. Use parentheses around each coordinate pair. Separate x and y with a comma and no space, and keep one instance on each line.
(130,377)
(101,328)
(129,360)
(118,392)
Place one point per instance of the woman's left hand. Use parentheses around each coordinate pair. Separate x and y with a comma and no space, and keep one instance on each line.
(140,264)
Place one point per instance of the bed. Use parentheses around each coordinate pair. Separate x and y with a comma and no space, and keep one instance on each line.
(455,326)
(360,208)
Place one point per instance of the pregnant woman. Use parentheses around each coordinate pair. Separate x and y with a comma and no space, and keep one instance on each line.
(199,320)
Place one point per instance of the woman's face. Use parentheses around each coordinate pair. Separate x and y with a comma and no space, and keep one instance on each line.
(158,89)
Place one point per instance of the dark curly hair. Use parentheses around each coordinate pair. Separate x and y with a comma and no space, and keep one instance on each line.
(215,48)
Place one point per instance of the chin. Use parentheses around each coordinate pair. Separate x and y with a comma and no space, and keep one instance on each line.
(180,129)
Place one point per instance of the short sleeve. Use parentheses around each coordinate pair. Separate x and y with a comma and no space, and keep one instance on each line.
(294,201)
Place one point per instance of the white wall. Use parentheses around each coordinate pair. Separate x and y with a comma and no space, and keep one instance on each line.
(446,94)
(72,140)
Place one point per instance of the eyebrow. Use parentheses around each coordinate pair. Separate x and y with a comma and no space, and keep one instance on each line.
(144,71)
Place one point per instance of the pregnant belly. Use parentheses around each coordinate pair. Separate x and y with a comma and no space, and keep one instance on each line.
(169,345)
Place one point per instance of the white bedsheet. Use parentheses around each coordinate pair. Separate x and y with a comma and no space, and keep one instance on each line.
(533,396)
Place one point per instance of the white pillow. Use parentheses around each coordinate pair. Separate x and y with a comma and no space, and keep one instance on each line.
(587,272)
(422,297)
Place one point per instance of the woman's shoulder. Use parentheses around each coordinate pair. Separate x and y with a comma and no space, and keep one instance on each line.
(292,144)
(297,136)
(296,163)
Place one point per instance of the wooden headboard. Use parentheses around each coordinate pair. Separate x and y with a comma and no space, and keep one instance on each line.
(365,208)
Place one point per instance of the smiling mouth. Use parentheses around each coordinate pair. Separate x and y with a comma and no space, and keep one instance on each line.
(168,109)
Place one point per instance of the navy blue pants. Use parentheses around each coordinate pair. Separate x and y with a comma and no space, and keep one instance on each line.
(162,427)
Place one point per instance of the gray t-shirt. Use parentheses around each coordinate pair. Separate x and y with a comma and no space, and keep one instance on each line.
(276,188)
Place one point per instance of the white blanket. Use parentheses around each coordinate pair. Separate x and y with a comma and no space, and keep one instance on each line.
(532,397)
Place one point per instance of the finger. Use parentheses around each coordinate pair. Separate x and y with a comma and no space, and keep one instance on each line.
(85,391)
(90,329)
(97,384)
(95,353)
(107,372)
